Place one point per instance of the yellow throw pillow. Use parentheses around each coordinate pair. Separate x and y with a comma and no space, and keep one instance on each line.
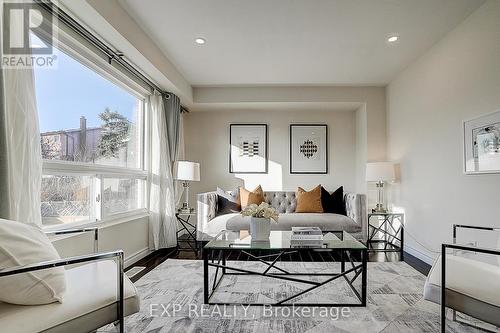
(309,202)
(254,197)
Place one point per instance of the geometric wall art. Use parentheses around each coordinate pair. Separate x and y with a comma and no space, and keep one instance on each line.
(482,144)
(248,148)
(308,149)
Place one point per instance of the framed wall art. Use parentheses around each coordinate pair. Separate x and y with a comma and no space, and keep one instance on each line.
(482,144)
(308,149)
(248,148)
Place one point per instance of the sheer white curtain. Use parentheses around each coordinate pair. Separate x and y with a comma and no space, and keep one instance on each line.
(163,225)
(20,152)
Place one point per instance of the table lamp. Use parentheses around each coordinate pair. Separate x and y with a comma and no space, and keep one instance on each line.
(380,172)
(186,172)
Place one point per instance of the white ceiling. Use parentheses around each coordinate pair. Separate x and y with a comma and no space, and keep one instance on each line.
(295,42)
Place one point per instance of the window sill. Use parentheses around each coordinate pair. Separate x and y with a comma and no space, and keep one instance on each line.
(58,167)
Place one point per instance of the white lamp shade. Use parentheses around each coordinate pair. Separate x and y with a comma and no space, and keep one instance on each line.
(380,171)
(185,170)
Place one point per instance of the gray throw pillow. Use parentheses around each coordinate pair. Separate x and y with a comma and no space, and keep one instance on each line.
(227,202)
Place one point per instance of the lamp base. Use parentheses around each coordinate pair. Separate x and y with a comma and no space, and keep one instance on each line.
(379,209)
(185,209)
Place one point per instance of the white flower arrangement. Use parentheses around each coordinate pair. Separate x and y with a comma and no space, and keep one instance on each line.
(263,211)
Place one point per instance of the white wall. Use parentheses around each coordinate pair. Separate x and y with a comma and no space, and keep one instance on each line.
(207,141)
(458,79)
(373,99)
(361,147)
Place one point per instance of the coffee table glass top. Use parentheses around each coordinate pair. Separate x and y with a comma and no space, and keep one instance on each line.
(279,240)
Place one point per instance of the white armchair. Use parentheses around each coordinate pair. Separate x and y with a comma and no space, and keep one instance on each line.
(470,286)
(98,293)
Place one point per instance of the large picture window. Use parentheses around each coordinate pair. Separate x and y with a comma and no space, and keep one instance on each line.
(92,144)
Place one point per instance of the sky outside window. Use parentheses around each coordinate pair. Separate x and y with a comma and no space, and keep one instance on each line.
(72,90)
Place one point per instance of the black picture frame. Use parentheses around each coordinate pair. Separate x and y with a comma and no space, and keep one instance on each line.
(291,152)
(266,155)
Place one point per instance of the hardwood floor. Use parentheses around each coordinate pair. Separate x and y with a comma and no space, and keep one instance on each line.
(157,257)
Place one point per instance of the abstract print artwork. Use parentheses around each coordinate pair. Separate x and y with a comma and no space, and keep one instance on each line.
(248,148)
(308,149)
(482,144)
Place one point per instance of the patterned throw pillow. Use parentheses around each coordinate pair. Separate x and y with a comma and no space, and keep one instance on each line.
(254,197)
(227,202)
(333,203)
(309,202)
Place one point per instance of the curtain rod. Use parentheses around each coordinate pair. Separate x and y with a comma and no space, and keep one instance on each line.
(90,37)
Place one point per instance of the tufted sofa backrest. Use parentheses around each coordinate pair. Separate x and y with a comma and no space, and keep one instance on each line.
(284,202)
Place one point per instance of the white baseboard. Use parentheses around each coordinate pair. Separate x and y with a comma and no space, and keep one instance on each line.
(419,254)
(136,257)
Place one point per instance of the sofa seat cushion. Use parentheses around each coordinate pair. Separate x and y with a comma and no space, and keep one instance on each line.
(325,221)
(471,287)
(89,303)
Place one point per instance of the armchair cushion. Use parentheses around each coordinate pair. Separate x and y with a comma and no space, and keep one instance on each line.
(90,303)
(24,244)
(471,287)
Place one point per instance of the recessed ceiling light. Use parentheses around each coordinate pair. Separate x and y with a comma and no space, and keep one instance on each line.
(392,38)
(200,41)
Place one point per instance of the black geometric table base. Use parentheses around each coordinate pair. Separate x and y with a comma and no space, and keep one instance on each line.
(218,258)
(388,233)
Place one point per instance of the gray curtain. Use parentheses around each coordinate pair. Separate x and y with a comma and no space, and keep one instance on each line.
(165,147)
(175,134)
(172,105)
(162,219)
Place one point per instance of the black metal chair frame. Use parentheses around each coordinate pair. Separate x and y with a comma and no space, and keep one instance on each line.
(455,246)
(118,256)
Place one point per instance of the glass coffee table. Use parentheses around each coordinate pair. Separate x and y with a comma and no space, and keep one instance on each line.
(231,252)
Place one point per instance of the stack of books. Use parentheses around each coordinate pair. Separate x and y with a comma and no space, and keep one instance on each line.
(306,237)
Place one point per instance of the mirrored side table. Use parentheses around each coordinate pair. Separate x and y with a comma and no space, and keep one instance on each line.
(386,232)
(186,227)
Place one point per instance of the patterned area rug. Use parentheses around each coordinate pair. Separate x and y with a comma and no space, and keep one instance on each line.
(172,297)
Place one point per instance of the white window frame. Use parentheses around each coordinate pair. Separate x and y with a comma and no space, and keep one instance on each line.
(69,45)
